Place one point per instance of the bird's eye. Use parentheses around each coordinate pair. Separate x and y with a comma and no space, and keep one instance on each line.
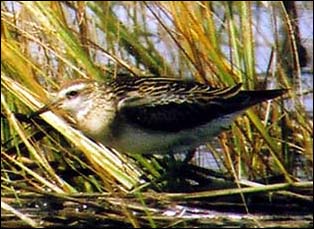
(71,94)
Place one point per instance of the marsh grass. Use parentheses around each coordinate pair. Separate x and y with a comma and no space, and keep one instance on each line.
(46,43)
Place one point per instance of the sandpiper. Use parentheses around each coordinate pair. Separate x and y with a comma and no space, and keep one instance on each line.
(153,115)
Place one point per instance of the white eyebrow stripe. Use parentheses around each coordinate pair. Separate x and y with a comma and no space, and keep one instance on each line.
(75,87)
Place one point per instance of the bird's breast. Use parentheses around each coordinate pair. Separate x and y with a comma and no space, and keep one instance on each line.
(97,124)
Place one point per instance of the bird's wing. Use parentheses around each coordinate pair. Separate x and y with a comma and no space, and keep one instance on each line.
(172,105)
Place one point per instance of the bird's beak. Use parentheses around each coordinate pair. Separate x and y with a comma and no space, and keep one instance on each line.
(44,109)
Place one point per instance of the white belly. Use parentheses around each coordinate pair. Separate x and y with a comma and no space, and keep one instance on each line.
(136,140)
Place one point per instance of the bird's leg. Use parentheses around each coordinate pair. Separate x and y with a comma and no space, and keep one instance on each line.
(188,157)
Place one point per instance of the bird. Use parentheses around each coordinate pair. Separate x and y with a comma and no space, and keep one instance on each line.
(153,115)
